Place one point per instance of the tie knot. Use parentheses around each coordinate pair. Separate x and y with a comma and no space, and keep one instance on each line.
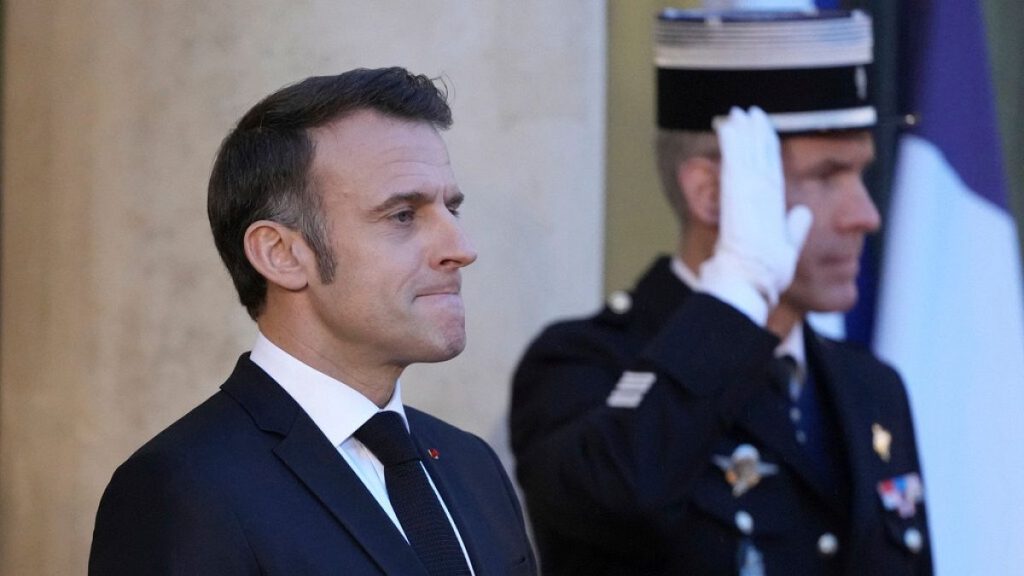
(385,435)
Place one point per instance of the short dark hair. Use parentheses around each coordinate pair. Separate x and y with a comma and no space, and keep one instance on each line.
(262,170)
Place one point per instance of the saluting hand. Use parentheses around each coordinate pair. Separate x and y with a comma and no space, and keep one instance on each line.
(759,242)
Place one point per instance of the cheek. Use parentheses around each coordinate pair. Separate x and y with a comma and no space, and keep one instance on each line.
(378,262)
(819,233)
(806,190)
(805,266)
(398,272)
(809,265)
(822,224)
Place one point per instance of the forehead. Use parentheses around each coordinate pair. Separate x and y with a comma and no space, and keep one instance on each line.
(368,152)
(855,148)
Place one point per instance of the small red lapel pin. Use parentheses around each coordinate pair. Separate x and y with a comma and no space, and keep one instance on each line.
(433,453)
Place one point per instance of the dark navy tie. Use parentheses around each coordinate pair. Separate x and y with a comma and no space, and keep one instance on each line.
(815,430)
(416,504)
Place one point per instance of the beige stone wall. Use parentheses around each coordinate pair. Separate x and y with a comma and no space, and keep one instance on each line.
(116,314)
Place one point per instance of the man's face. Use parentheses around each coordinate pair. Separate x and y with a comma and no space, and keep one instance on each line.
(391,204)
(824,173)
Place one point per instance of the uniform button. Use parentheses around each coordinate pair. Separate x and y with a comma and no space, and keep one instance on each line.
(801,437)
(828,544)
(794,414)
(620,302)
(745,522)
(913,540)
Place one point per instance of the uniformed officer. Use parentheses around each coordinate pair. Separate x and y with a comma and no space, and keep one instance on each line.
(698,424)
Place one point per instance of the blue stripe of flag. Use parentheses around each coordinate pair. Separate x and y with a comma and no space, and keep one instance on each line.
(946,66)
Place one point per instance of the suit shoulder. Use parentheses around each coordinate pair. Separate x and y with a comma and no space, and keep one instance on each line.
(174,502)
(198,439)
(605,332)
(627,318)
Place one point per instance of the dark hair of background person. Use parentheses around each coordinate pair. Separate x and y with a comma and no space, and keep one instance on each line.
(262,170)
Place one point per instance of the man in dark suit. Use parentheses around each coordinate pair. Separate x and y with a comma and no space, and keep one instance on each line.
(334,208)
(698,425)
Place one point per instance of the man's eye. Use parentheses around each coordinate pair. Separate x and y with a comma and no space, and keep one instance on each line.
(453,209)
(404,216)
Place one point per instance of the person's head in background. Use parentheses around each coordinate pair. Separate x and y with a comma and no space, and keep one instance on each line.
(819,102)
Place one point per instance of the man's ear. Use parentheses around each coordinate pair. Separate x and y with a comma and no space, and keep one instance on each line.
(279,254)
(698,179)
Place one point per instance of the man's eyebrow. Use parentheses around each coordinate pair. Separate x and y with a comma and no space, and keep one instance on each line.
(395,200)
(415,198)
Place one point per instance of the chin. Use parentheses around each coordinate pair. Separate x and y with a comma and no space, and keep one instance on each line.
(839,301)
(453,348)
(446,347)
(834,298)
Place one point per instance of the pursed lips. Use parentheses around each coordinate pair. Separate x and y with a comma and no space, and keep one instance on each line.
(843,256)
(445,290)
(845,264)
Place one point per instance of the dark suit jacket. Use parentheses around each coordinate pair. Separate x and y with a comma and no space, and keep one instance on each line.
(247,484)
(619,490)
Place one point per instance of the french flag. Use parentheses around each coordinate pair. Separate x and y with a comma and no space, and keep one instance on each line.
(950,314)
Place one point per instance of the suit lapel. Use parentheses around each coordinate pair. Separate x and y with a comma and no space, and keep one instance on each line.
(318,465)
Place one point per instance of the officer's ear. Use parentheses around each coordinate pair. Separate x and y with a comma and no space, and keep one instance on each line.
(279,254)
(698,180)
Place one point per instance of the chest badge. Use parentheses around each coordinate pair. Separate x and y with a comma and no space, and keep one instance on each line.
(881,440)
(902,494)
(744,469)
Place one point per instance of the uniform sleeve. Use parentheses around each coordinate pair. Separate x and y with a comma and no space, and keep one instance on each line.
(157,518)
(593,471)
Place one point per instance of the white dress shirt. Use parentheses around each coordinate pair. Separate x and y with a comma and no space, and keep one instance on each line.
(338,411)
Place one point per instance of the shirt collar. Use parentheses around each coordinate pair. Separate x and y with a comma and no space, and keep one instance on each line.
(792,345)
(685,275)
(337,409)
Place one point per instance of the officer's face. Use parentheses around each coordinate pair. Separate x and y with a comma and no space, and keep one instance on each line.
(824,173)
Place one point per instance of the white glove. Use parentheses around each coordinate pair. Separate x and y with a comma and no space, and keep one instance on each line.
(758,242)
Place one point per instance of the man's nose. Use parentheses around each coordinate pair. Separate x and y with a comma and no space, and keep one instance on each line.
(454,247)
(859,211)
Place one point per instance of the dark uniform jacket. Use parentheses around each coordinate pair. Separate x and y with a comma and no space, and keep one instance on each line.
(637,487)
(247,484)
